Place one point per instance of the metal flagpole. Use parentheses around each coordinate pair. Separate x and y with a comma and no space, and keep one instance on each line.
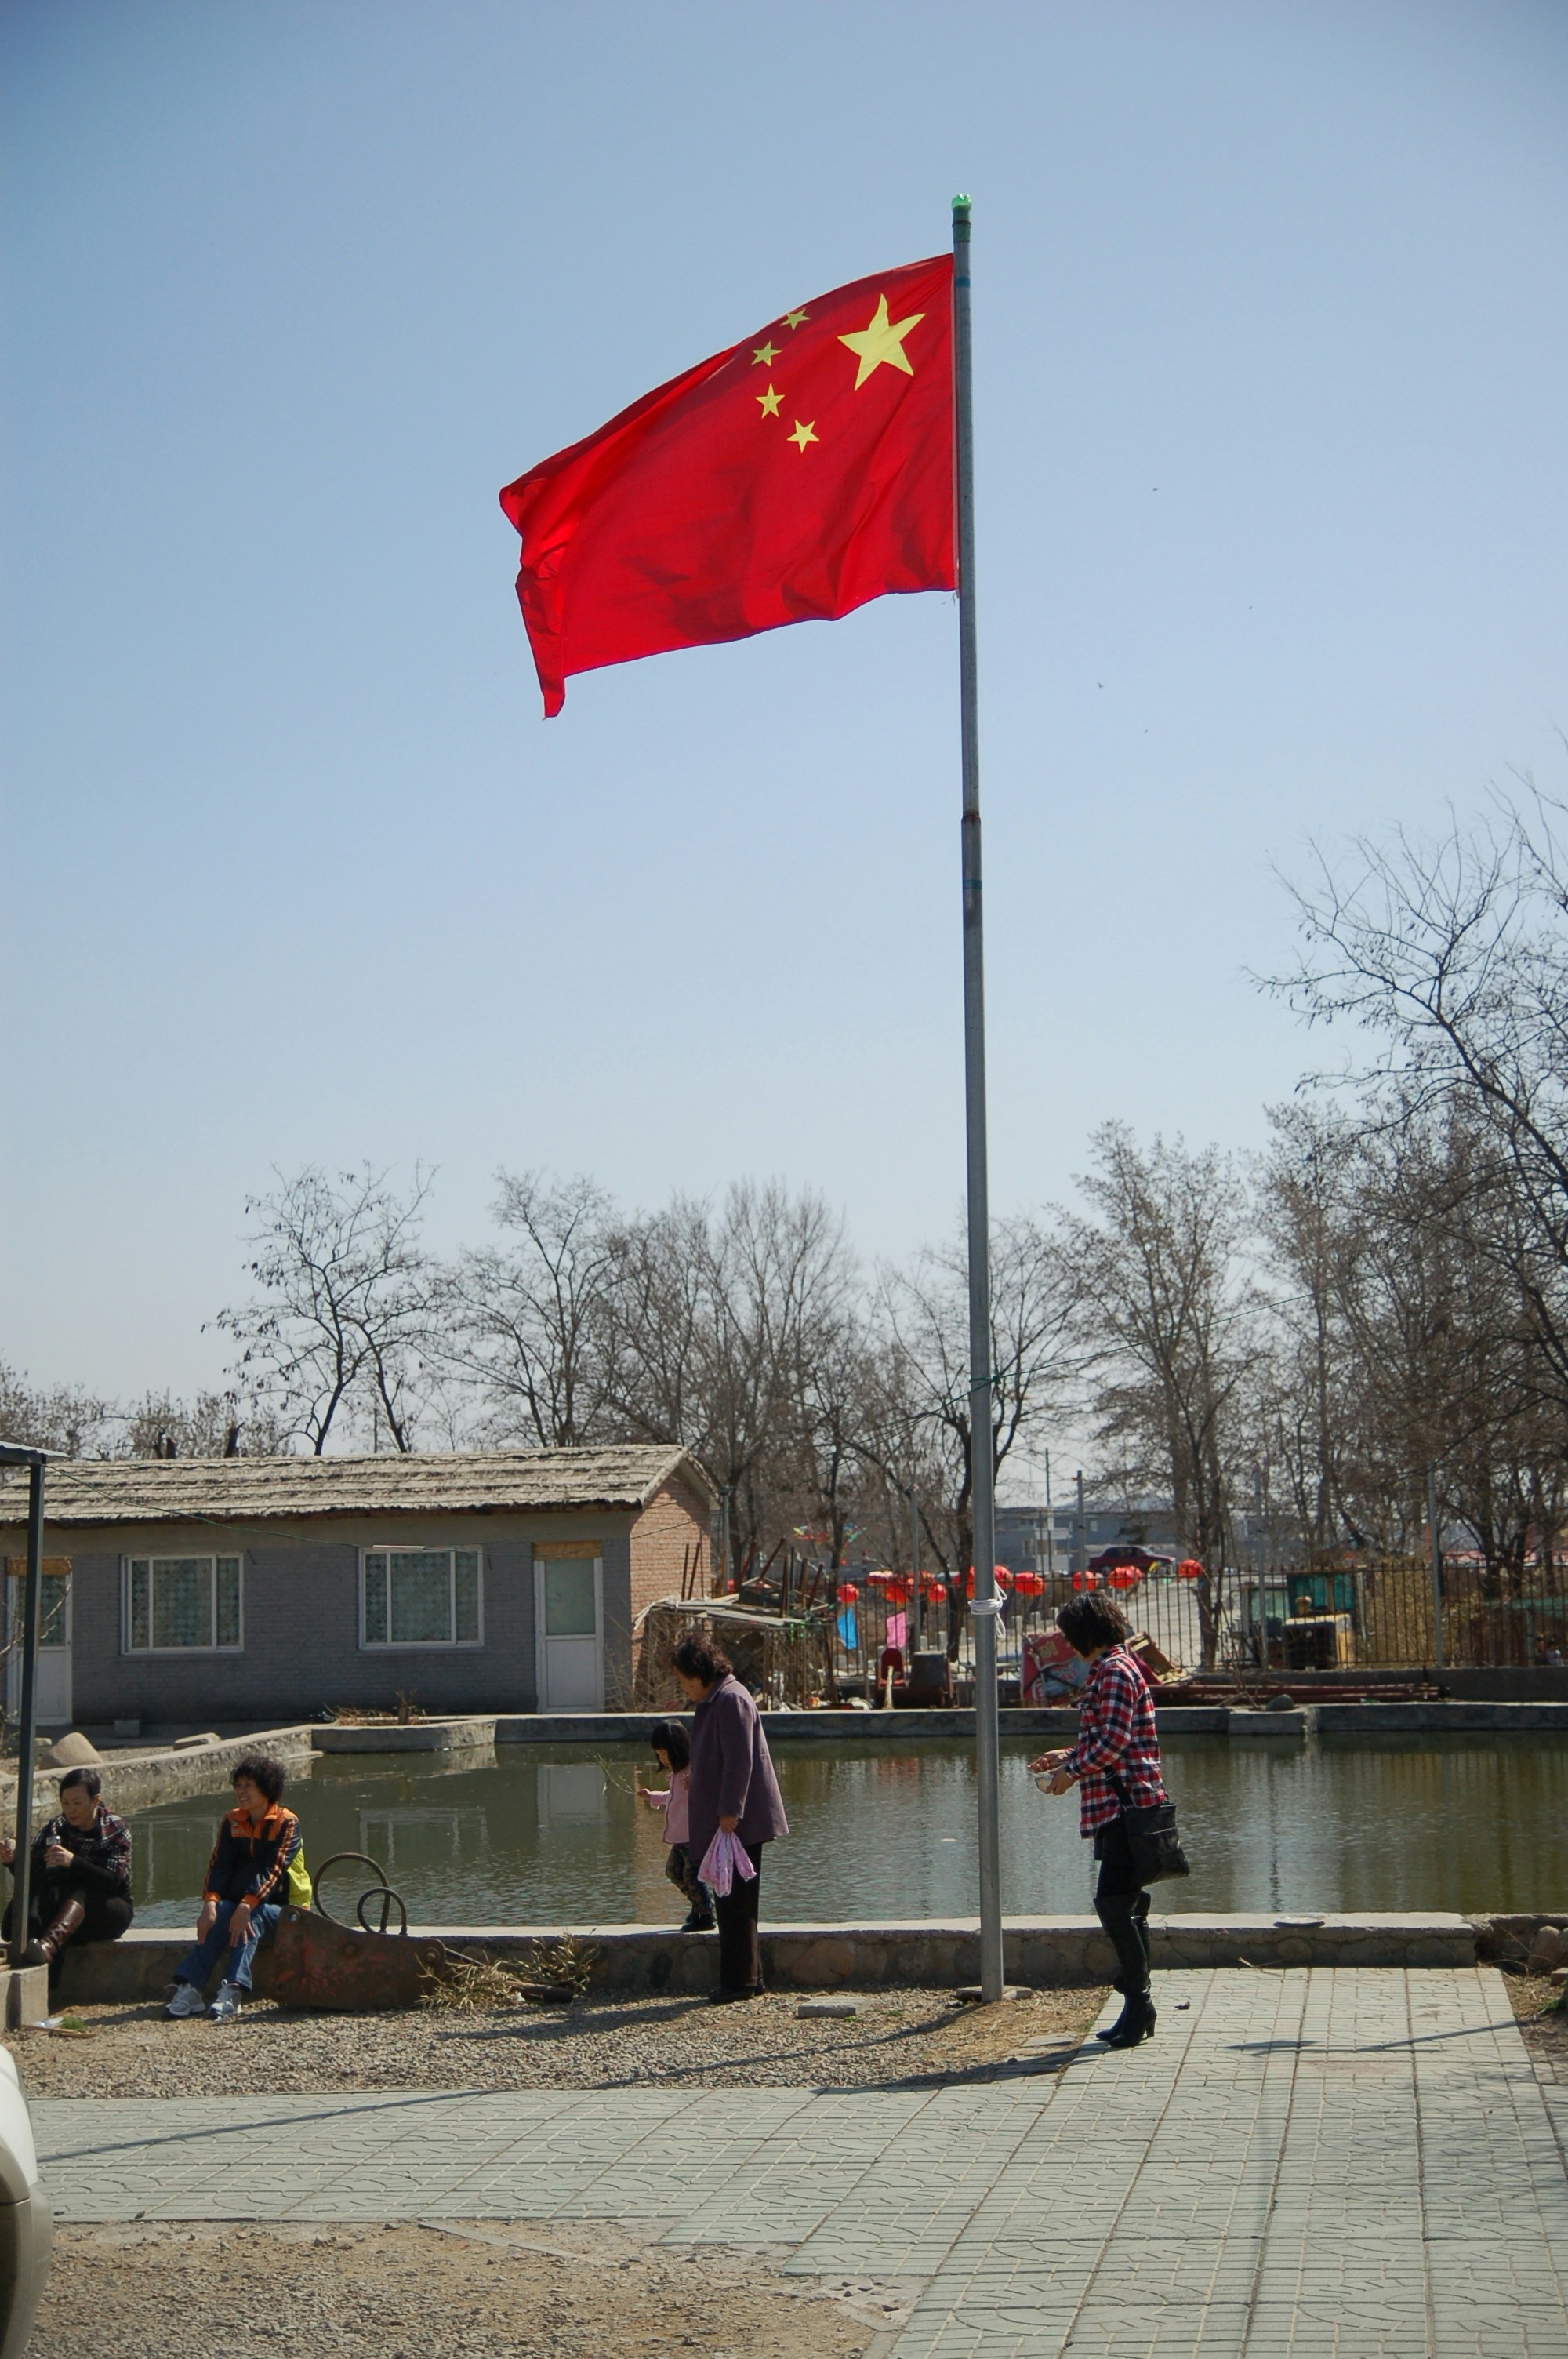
(986,1604)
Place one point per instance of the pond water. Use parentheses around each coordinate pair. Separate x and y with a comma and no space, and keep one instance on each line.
(549,1834)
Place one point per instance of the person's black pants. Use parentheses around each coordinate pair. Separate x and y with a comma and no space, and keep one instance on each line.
(1121,1903)
(740,1945)
(107,1915)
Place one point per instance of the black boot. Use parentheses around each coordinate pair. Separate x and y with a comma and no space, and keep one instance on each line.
(1137,2023)
(700,1920)
(1120,2025)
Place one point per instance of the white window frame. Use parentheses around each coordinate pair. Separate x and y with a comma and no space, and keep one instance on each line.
(422,1646)
(149,1557)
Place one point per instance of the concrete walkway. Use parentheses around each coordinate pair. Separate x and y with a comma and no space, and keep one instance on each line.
(1359,2163)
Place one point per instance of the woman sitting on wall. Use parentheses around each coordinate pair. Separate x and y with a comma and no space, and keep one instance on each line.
(257,1865)
(79,1887)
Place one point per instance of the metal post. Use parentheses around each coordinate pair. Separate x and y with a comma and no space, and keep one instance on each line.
(914,1575)
(1437,1569)
(1050,1565)
(1082,1534)
(21,1870)
(982,1472)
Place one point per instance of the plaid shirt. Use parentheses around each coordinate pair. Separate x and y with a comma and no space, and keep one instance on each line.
(102,1850)
(1116,1732)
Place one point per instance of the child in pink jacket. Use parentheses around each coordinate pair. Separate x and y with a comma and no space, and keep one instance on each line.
(672,1750)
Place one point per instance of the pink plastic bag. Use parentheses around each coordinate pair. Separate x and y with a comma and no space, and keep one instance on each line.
(724,1860)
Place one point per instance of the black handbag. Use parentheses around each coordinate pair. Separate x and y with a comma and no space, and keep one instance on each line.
(1152,1842)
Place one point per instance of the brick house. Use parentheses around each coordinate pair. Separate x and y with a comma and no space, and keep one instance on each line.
(270,1589)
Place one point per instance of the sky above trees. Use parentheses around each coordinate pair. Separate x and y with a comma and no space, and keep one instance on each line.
(1270,350)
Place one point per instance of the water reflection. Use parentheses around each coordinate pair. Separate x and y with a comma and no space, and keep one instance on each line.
(886,1831)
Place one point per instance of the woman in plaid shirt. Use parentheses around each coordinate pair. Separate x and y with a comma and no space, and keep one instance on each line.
(1116,1762)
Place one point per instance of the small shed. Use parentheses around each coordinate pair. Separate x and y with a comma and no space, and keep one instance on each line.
(273,1589)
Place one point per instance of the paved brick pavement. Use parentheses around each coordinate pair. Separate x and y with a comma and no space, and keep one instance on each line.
(1302,2165)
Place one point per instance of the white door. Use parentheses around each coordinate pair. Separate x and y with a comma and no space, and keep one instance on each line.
(569,1627)
(54,1651)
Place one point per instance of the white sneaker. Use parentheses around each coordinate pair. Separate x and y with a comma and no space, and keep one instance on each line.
(187,2000)
(226,2005)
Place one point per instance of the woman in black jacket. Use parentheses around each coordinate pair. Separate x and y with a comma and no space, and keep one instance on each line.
(79,1887)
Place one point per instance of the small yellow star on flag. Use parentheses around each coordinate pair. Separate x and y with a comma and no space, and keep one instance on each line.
(882,340)
(804,434)
(770,401)
(768,354)
(794,319)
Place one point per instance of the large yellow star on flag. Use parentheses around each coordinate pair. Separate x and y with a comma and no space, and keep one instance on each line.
(882,340)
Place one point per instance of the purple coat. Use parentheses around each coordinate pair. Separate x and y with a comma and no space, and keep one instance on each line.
(732,1774)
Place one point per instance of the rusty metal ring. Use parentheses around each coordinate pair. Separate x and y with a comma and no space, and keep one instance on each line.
(338,1857)
(389,1900)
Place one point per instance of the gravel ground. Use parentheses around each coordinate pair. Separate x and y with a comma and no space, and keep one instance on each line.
(586,2291)
(903,2038)
(1545,2036)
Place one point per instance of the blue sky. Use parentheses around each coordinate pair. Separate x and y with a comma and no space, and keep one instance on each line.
(1270,349)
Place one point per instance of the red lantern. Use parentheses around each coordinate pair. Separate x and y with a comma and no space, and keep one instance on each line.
(1124,1576)
(1189,1569)
(1086,1581)
(1030,1584)
(848,1592)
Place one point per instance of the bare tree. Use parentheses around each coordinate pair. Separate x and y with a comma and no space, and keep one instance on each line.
(1172,1333)
(1453,956)
(525,1322)
(1034,1356)
(63,1418)
(717,1321)
(337,1332)
(211,1425)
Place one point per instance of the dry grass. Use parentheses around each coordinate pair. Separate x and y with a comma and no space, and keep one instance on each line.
(1541,2006)
(901,2039)
(540,2289)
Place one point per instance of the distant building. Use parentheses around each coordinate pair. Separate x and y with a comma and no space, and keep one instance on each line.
(1021,1533)
(1025,1536)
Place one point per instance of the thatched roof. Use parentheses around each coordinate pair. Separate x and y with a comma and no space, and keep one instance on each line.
(86,1491)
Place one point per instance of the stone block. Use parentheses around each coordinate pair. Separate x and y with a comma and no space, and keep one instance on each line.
(72,1751)
(1549,1949)
(810,2009)
(826,1959)
(1276,1727)
(27,1995)
(189,1743)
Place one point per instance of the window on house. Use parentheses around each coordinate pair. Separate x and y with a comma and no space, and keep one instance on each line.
(175,1602)
(420,1597)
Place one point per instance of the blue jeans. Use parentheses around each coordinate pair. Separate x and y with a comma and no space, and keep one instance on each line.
(197,1966)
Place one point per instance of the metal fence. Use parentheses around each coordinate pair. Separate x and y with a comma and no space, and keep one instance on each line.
(1375,1616)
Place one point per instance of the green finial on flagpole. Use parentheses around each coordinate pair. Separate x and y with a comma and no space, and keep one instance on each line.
(961,204)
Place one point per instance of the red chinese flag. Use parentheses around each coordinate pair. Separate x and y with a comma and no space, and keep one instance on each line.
(789,478)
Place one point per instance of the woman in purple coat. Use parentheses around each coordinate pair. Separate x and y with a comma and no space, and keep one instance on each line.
(733,1789)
